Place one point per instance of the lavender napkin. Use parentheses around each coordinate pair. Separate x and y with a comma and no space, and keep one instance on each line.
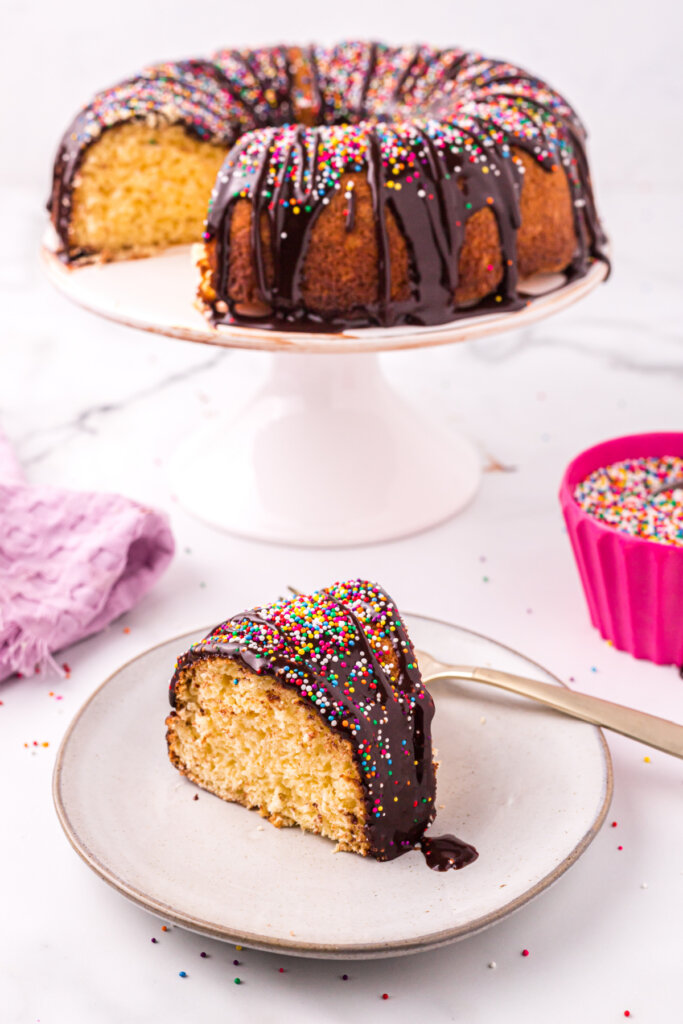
(70,563)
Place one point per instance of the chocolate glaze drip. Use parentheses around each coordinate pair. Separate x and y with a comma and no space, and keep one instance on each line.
(458,116)
(446,853)
(489,109)
(387,719)
(369,72)
(318,98)
(408,81)
(376,181)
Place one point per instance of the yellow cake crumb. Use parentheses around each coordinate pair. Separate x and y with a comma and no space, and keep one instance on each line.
(141,188)
(253,741)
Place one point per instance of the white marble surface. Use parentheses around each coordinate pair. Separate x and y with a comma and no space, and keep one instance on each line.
(92,405)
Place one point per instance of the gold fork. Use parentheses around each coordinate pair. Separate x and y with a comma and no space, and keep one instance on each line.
(659,733)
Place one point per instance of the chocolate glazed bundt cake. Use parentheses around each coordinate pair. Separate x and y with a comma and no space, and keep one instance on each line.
(312,710)
(355,185)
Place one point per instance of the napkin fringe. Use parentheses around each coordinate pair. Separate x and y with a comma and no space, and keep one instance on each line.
(27,654)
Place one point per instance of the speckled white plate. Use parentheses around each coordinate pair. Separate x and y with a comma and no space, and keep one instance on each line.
(527,786)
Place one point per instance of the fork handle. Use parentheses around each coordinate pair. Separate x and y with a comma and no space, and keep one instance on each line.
(659,733)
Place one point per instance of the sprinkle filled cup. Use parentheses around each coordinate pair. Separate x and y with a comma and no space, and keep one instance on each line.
(640,497)
(623,505)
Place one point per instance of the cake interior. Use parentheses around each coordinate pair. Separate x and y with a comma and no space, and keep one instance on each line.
(141,188)
(248,739)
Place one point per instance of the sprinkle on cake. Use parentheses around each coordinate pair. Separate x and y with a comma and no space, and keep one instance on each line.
(332,672)
(353,185)
(641,497)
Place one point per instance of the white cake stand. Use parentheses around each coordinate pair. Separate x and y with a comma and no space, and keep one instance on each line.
(326,453)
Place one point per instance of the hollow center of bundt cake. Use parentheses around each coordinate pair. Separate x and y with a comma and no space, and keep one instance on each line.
(250,739)
(143,187)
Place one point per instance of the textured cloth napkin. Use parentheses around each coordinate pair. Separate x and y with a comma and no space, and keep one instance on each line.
(70,563)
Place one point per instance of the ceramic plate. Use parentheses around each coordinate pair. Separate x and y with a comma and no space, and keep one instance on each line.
(527,786)
(157,295)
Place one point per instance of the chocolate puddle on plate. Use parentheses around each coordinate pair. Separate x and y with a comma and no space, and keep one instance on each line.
(447,852)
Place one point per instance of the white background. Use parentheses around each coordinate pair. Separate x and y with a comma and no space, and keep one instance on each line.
(91,405)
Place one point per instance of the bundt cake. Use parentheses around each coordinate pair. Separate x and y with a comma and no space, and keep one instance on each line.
(312,711)
(361,184)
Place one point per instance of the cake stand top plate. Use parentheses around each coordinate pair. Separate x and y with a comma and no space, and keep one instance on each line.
(157,295)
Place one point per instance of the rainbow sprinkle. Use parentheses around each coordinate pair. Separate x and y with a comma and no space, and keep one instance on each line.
(640,497)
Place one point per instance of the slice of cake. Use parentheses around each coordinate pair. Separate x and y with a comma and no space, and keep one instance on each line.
(312,711)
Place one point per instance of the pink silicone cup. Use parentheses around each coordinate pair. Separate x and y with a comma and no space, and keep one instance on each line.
(634,587)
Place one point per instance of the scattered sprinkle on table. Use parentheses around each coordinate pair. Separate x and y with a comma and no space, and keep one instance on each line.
(614,824)
(492,965)
(238,981)
(344,977)
(235,963)
(525,952)
(640,497)
(182,974)
(385,995)
(205,955)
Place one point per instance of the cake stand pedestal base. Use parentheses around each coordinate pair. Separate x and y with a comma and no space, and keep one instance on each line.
(326,453)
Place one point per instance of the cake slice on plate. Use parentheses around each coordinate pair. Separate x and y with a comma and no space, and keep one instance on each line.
(312,711)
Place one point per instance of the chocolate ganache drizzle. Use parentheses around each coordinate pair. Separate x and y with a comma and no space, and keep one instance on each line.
(437,133)
(346,652)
